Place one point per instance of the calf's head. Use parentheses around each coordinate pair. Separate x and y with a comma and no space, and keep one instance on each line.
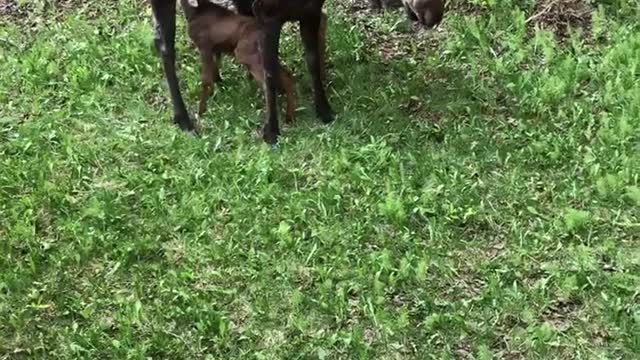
(429,13)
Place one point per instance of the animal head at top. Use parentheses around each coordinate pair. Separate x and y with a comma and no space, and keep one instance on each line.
(428,13)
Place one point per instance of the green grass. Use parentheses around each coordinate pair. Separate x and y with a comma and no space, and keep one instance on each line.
(479,200)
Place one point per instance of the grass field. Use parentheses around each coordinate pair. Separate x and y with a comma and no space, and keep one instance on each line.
(477,197)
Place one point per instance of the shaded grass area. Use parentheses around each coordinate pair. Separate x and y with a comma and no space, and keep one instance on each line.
(475,198)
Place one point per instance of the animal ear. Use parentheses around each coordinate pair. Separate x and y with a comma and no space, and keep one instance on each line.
(193,3)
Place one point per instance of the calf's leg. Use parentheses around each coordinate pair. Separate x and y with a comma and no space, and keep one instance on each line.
(286,84)
(216,67)
(287,87)
(209,75)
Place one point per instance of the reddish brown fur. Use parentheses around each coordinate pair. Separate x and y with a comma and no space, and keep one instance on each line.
(215,30)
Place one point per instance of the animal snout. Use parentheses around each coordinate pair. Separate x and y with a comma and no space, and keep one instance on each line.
(430,18)
(429,13)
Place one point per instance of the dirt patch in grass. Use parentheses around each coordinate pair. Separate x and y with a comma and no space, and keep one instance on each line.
(561,315)
(9,9)
(560,16)
(20,11)
(33,15)
(392,44)
(464,7)
(557,16)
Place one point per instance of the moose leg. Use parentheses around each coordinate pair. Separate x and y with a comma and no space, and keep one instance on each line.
(287,88)
(310,30)
(216,67)
(270,43)
(209,75)
(322,43)
(410,14)
(164,12)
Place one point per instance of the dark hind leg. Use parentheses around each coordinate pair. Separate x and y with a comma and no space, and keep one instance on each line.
(322,46)
(271,63)
(410,14)
(310,31)
(164,12)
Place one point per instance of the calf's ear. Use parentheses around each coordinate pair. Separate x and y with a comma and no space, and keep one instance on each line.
(193,3)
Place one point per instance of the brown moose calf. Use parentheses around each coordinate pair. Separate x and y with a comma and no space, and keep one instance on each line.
(217,30)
